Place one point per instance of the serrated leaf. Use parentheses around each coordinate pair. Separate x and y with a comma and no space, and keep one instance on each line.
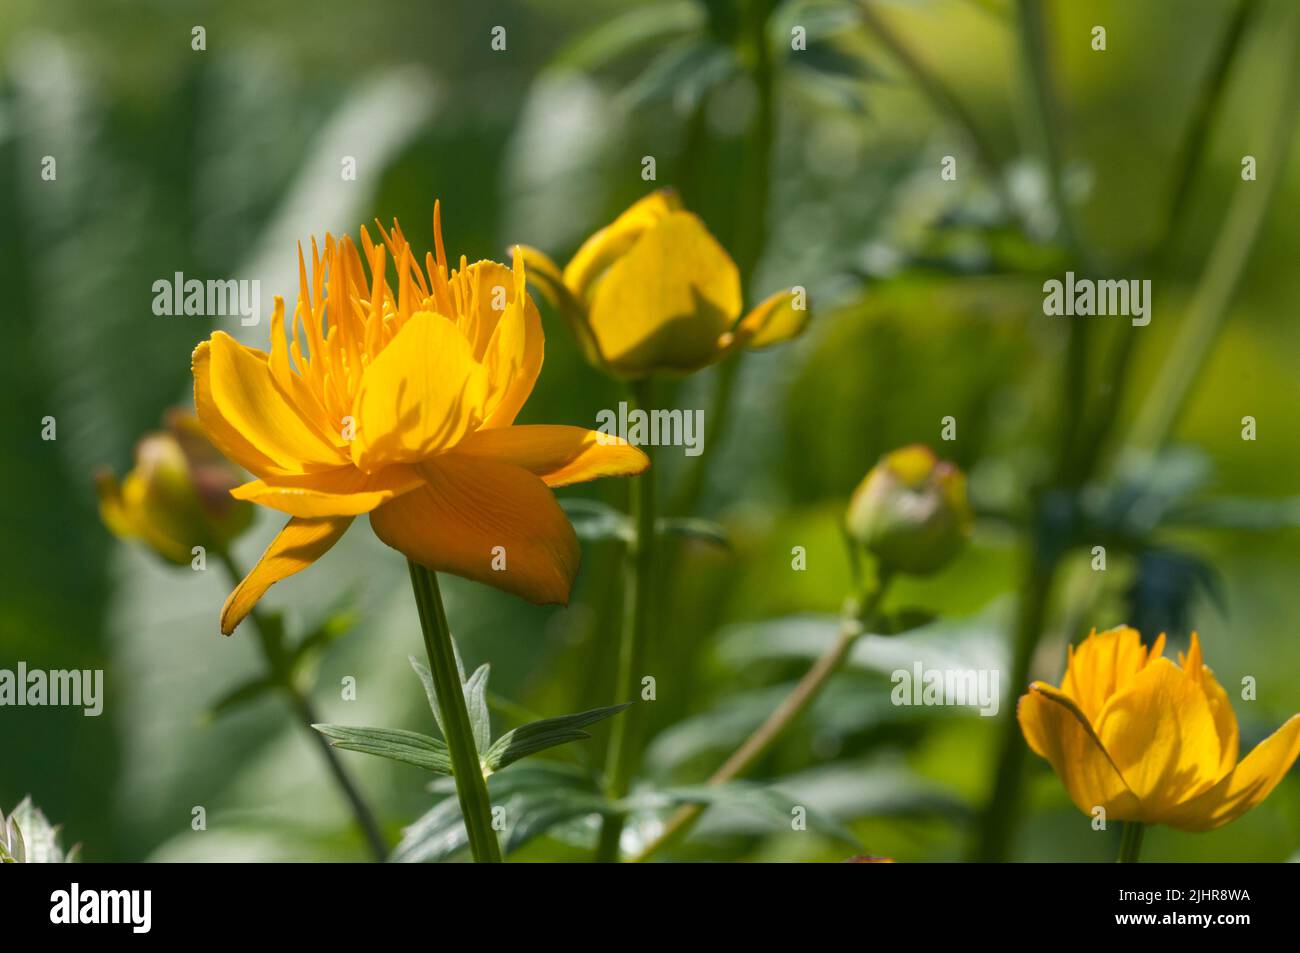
(408,747)
(594,521)
(241,694)
(547,733)
(690,527)
(476,702)
(623,35)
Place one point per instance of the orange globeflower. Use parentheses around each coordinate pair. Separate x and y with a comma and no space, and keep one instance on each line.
(402,405)
(1148,740)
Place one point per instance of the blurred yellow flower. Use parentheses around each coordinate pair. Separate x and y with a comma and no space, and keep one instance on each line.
(654,292)
(401,404)
(1148,740)
(910,511)
(177,496)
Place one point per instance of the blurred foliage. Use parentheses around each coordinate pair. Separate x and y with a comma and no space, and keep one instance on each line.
(927,298)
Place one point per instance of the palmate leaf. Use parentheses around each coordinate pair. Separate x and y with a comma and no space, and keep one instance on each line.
(408,747)
(547,733)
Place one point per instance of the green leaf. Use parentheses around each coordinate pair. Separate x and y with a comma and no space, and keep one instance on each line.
(614,40)
(408,747)
(547,733)
(476,702)
(683,73)
(430,692)
(594,521)
(743,796)
(241,694)
(690,527)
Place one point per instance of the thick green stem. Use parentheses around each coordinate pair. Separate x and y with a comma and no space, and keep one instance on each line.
(626,733)
(274,657)
(856,619)
(467,769)
(1131,844)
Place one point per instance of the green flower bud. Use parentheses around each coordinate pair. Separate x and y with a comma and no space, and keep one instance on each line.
(911,511)
(177,496)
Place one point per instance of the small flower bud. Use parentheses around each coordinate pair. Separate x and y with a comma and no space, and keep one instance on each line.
(911,511)
(177,496)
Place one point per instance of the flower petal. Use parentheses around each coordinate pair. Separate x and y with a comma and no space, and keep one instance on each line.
(666,304)
(300,543)
(1247,785)
(232,444)
(1056,729)
(604,247)
(559,455)
(346,491)
(246,397)
(773,320)
(512,356)
(470,507)
(422,394)
(1161,735)
(1225,720)
(1103,664)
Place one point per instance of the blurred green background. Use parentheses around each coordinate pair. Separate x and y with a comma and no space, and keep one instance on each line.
(818,167)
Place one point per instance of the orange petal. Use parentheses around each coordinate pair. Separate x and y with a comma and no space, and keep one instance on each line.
(488,521)
(1161,735)
(345,491)
(246,397)
(1101,665)
(1056,729)
(1225,720)
(512,356)
(232,444)
(559,455)
(300,543)
(422,394)
(1247,785)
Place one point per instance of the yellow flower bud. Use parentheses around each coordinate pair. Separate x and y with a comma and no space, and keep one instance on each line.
(655,293)
(177,496)
(911,511)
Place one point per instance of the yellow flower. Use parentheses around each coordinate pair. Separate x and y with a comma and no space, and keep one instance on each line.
(177,496)
(654,292)
(401,404)
(1148,740)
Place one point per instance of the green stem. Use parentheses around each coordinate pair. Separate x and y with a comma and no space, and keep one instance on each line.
(1130,846)
(274,657)
(857,618)
(467,769)
(624,753)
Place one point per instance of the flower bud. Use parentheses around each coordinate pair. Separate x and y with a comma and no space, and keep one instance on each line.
(911,511)
(177,496)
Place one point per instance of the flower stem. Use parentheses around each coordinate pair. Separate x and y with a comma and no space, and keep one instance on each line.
(467,769)
(273,655)
(1131,843)
(624,752)
(854,623)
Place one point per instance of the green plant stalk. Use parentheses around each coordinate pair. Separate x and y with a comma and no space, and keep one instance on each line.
(852,626)
(467,768)
(273,656)
(1130,846)
(626,733)
(751,232)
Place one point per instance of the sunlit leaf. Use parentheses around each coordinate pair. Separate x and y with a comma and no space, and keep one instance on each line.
(395,744)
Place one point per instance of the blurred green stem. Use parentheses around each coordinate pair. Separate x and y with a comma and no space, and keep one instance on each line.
(624,754)
(278,672)
(467,769)
(1130,845)
(751,232)
(859,614)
